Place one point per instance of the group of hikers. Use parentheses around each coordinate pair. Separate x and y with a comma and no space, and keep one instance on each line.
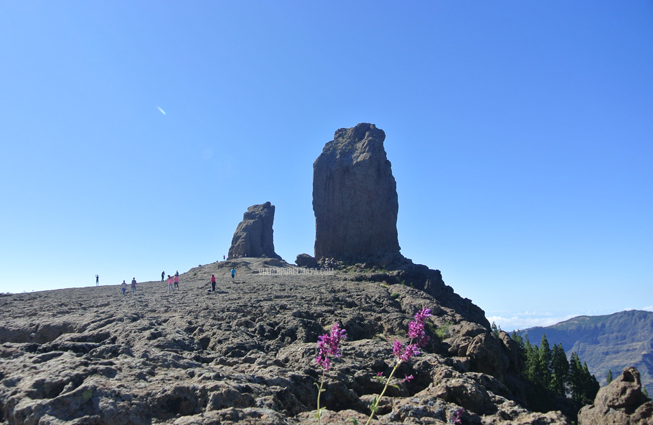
(173,282)
(123,286)
(233,276)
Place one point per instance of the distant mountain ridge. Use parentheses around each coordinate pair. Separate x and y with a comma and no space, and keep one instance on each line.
(609,342)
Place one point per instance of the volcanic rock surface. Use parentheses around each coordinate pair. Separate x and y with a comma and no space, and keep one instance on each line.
(355,198)
(246,353)
(620,402)
(254,235)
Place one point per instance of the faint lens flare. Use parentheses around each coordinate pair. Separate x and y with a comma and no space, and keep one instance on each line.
(162,111)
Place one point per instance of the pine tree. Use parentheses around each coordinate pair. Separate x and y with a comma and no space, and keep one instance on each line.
(590,386)
(559,368)
(575,377)
(518,339)
(532,362)
(544,363)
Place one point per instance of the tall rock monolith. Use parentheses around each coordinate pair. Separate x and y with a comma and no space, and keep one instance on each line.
(254,235)
(355,198)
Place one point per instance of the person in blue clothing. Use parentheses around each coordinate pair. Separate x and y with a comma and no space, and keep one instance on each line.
(233,273)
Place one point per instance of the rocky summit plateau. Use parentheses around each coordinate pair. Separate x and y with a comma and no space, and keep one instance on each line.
(246,353)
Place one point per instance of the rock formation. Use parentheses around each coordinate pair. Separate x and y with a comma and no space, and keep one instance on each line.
(245,354)
(305,260)
(621,402)
(355,198)
(254,235)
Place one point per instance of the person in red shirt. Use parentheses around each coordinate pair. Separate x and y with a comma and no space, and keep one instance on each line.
(213,282)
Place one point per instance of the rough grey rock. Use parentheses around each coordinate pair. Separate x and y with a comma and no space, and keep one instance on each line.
(355,198)
(621,402)
(254,235)
(244,354)
(305,260)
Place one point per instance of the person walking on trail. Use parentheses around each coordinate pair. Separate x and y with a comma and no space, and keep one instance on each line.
(177,273)
(124,287)
(133,285)
(163,275)
(169,283)
(212,283)
(97,280)
(233,273)
(177,280)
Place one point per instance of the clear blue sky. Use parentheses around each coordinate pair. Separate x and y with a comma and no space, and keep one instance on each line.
(520,136)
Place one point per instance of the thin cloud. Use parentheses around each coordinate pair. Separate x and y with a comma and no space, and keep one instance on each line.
(528,319)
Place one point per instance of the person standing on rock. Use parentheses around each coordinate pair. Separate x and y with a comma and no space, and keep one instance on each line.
(124,287)
(169,283)
(163,275)
(97,280)
(233,274)
(213,283)
(177,280)
(133,285)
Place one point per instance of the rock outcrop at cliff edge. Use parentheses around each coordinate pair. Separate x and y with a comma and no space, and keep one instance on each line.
(355,197)
(254,235)
(621,402)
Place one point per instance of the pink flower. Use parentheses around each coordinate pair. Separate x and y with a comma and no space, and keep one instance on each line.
(410,351)
(407,378)
(329,345)
(416,329)
(417,335)
(397,348)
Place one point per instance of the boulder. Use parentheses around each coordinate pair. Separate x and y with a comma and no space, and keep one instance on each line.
(487,355)
(305,260)
(254,235)
(621,402)
(355,198)
(512,350)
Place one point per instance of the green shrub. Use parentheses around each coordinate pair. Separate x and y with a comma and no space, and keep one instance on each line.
(442,332)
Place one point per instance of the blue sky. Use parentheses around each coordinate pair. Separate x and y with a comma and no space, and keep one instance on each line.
(520,136)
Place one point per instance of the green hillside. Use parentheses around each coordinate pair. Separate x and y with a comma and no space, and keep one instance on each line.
(609,342)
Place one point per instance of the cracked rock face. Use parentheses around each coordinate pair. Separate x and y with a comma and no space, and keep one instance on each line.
(355,198)
(245,354)
(254,236)
(620,402)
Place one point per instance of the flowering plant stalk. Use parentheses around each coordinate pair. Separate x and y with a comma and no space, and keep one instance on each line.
(328,345)
(418,339)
